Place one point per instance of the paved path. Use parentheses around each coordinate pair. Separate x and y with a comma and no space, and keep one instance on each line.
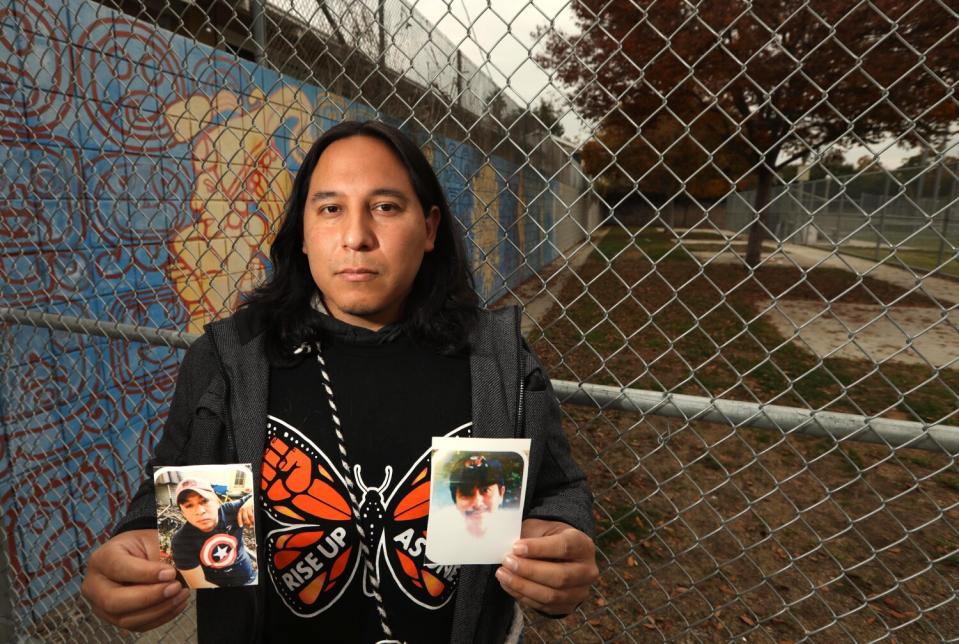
(916,335)
(938,287)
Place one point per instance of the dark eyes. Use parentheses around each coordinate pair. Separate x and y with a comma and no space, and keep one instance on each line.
(332,209)
(387,207)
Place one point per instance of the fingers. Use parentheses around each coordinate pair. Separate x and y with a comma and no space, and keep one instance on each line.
(120,600)
(551,574)
(163,619)
(149,618)
(125,568)
(245,516)
(568,545)
(540,597)
(127,587)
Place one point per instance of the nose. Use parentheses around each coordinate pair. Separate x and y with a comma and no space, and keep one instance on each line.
(357,230)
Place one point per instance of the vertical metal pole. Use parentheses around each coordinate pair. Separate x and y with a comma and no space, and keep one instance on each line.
(381,26)
(945,222)
(459,77)
(842,199)
(7,630)
(883,204)
(259,31)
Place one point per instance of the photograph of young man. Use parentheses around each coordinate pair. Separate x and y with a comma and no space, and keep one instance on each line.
(208,549)
(477,486)
(370,282)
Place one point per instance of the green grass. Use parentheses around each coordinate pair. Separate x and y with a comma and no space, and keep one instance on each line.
(627,520)
(950,482)
(651,241)
(918,260)
(703,234)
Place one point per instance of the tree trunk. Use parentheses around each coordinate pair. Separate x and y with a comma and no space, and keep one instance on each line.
(757,232)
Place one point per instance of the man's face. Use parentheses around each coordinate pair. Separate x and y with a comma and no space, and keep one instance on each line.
(477,504)
(200,512)
(364,231)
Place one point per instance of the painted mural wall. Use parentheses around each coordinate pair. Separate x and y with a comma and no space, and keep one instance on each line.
(141,175)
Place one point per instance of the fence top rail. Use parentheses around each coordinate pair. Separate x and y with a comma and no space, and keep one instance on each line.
(839,426)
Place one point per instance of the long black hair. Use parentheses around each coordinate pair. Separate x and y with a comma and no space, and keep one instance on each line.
(442,303)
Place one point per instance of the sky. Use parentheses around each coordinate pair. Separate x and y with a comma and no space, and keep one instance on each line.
(500,35)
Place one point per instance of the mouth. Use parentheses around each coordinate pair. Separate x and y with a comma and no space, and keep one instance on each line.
(359,274)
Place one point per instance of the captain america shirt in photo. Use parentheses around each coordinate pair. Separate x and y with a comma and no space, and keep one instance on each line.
(220,552)
(392,397)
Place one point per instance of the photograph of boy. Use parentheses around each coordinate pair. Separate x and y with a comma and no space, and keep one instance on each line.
(477,486)
(477,515)
(208,550)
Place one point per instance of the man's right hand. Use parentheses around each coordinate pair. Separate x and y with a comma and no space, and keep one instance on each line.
(128,586)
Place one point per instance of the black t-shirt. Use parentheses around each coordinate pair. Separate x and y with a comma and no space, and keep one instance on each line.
(392,397)
(220,552)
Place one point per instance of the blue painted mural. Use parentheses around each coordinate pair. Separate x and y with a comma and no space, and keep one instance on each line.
(142,173)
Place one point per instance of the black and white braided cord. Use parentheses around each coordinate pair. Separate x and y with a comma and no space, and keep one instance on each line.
(371,576)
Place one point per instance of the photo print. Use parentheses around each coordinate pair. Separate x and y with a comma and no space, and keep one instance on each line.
(205,523)
(477,489)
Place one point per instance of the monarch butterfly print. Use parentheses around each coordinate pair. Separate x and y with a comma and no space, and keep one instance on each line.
(315,556)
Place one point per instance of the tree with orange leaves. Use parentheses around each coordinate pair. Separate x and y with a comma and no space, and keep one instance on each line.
(725,90)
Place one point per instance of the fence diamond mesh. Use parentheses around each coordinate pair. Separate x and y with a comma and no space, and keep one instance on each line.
(731,225)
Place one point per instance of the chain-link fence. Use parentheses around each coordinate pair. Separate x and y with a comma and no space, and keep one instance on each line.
(755,341)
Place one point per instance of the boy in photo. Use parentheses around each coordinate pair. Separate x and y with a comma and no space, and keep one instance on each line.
(477,486)
(208,550)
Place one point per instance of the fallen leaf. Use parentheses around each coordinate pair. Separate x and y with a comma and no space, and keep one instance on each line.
(746,619)
(650,624)
(677,591)
(600,601)
(631,561)
(901,614)
(726,590)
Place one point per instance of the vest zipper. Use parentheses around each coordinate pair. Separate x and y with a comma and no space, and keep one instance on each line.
(519,372)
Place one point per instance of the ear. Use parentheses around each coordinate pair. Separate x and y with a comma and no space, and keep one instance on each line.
(432,225)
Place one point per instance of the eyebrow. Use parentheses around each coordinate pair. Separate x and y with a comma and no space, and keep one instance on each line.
(380,192)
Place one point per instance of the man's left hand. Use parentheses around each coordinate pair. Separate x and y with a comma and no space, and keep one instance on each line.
(551,568)
(245,516)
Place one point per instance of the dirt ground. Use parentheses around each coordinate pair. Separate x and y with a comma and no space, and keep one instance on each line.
(709,532)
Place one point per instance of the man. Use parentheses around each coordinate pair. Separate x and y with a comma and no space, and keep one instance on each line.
(365,342)
(208,550)
(477,486)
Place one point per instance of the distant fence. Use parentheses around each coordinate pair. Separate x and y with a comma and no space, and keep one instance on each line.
(911,214)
